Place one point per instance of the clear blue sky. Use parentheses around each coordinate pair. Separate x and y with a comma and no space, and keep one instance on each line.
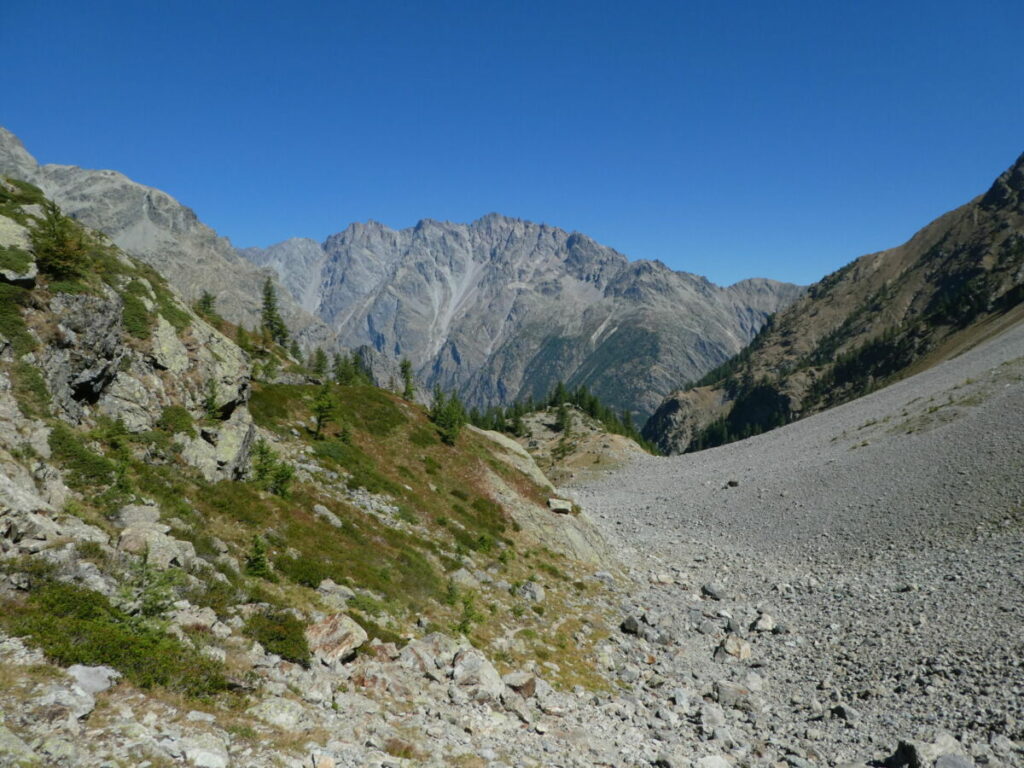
(731,139)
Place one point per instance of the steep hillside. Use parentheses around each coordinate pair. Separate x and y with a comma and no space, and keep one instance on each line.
(878,318)
(155,228)
(501,309)
(242,570)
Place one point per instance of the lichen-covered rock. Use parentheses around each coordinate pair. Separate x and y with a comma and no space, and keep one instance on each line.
(222,452)
(286,714)
(167,352)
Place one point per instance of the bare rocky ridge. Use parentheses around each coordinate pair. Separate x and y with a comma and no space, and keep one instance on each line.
(158,230)
(865,561)
(501,309)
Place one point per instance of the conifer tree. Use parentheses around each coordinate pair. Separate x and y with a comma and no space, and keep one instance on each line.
(270,317)
(323,406)
(205,305)
(319,365)
(408,389)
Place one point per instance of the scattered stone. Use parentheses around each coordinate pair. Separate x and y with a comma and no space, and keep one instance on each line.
(735,647)
(327,516)
(630,625)
(532,591)
(286,714)
(560,506)
(715,590)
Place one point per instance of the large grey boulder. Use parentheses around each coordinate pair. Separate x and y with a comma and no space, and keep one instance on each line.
(94,680)
(473,672)
(160,550)
(222,451)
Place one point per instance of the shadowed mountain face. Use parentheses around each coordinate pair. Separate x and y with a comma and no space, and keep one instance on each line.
(879,318)
(502,309)
(155,228)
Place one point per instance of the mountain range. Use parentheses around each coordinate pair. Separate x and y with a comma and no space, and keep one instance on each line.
(497,310)
(501,309)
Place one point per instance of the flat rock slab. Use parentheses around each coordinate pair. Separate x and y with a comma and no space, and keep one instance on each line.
(94,680)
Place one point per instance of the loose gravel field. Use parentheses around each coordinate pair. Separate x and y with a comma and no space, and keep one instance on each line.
(885,537)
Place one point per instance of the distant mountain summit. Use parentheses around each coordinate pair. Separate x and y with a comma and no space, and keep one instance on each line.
(502,309)
(879,318)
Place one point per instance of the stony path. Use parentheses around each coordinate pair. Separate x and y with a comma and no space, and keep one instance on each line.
(885,536)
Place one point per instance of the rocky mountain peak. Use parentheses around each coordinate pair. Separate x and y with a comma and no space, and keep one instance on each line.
(15,160)
(1007,189)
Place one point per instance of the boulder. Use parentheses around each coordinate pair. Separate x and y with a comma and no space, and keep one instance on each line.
(477,676)
(222,452)
(161,551)
(14,751)
(25,278)
(523,683)
(286,714)
(560,506)
(335,639)
(532,591)
(166,350)
(94,680)
(735,647)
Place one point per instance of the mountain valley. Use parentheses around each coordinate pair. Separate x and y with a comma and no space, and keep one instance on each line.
(215,552)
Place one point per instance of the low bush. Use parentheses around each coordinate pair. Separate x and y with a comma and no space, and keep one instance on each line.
(176,419)
(281,633)
(12,325)
(73,625)
(86,468)
(307,571)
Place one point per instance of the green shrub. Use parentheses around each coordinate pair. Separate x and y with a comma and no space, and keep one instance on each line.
(86,468)
(168,306)
(269,472)
(136,318)
(281,633)
(361,467)
(307,571)
(12,324)
(61,245)
(176,419)
(14,258)
(256,563)
(30,390)
(422,437)
(73,625)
